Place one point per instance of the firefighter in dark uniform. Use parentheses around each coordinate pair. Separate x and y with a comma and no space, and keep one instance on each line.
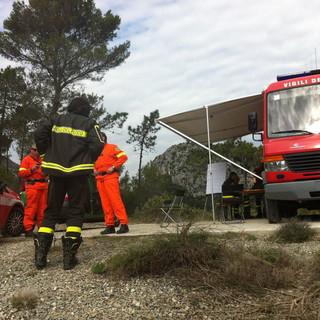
(227,190)
(70,144)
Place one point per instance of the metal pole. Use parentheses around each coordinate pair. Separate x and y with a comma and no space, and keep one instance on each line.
(210,161)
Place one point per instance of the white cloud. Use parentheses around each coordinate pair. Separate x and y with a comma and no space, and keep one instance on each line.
(186,53)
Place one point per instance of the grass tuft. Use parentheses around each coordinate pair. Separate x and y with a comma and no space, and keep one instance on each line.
(99,268)
(200,260)
(294,231)
(25,299)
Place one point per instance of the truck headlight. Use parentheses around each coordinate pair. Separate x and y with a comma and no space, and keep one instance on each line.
(273,166)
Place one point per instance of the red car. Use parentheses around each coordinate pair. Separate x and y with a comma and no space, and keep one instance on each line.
(11,211)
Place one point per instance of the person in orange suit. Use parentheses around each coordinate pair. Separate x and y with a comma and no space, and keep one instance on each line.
(36,187)
(107,178)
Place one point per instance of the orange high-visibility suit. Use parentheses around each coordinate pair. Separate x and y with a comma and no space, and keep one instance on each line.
(107,177)
(36,188)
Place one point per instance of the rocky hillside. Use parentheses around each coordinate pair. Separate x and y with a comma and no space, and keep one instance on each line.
(177,162)
(187,163)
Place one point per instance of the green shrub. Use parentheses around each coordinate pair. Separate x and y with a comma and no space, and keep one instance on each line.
(199,259)
(164,254)
(150,211)
(294,231)
(99,268)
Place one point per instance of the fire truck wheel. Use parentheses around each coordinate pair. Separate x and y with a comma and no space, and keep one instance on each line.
(272,208)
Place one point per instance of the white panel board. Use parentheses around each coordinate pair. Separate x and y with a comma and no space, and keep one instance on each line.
(216,175)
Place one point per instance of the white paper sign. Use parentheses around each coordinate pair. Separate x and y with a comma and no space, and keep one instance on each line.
(216,175)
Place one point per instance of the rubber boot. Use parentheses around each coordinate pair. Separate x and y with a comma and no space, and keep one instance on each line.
(70,248)
(123,229)
(42,242)
(108,230)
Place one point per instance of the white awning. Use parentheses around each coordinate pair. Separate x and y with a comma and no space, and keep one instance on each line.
(227,120)
(216,122)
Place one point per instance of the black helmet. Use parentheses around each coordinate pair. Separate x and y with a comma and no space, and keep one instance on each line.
(79,106)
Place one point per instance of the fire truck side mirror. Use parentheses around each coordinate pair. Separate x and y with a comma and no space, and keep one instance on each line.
(253,122)
(253,126)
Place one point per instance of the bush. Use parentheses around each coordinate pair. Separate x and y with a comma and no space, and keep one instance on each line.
(294,231)
(99,268)
(198,259)
(252,270)
(164,254)
(150,211)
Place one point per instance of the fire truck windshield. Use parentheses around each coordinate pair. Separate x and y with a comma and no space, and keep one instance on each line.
(294,111)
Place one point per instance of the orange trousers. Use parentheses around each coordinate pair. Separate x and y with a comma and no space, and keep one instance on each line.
(36,204)
(111,201)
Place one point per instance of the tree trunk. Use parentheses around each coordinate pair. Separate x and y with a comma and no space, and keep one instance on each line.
(140,165)
(56,104)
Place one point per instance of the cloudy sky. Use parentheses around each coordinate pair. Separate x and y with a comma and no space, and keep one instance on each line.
(186,54)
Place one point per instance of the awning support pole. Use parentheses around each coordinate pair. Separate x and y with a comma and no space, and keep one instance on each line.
(210,161)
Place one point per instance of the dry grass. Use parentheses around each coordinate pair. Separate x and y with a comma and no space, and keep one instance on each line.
(294,231)
(262,281)
(210,260)
(25,299)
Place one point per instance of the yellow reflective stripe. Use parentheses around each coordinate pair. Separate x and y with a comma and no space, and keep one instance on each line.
(21,169)
(227,196)
(97,128)
(56,166)
(73,229)
(74,132)
(121,154)
(45,230)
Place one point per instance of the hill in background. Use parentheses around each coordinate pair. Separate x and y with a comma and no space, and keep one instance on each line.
(177,162)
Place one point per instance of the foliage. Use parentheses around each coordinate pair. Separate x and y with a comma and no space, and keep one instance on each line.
(143,137)
(99,268)
(12,86)
(150,210)
(9,178)
(237,150)
(153,183)
(65,41)
(189,213)
(106,120)
(294,231)
(62,42)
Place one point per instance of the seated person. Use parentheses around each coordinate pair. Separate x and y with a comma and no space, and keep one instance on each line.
(229,185)
(258,185)
(228,193)
(258,171)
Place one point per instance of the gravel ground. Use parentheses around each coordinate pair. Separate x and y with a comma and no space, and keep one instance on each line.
(80,294)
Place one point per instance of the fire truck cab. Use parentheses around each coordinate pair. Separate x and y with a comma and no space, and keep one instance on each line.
(291,144)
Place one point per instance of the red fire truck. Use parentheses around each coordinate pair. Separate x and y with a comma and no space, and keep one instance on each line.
(291,144)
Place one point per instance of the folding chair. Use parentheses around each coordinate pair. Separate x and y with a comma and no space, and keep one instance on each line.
(172,206)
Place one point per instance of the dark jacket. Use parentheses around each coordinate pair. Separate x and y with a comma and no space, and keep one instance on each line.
(229,186)
(70,144)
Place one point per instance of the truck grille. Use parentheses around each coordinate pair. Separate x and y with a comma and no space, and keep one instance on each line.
(304,161)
